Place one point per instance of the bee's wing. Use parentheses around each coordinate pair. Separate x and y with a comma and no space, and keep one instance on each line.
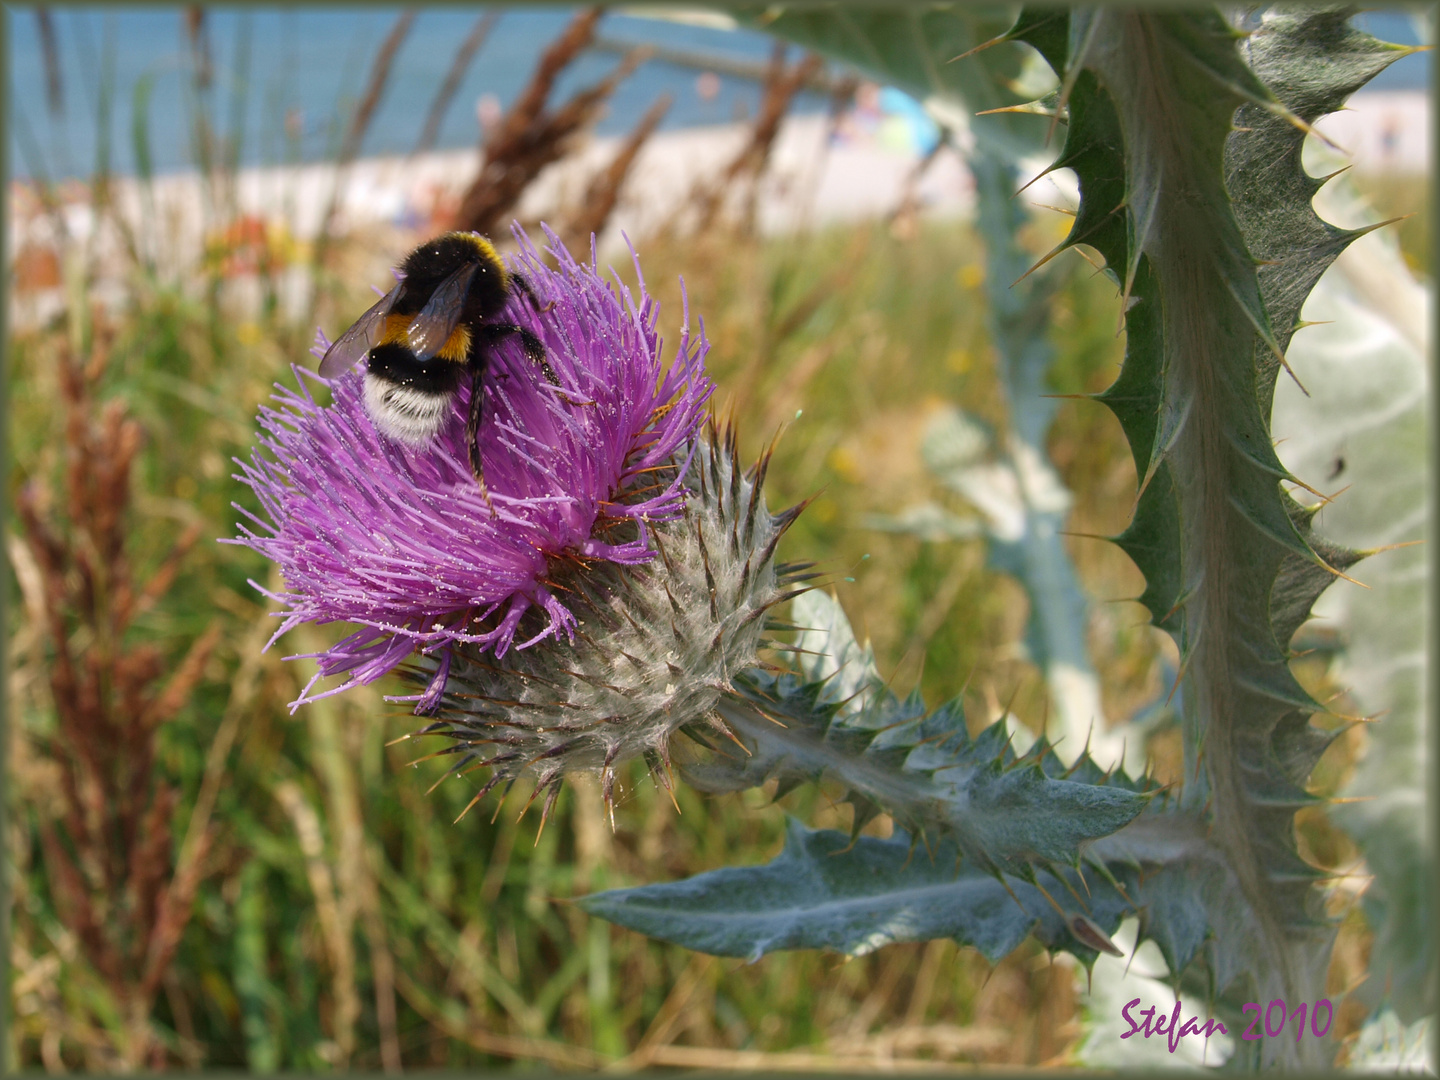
(350,346)
(437,319)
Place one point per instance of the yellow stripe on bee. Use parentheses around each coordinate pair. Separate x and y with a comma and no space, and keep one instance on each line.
(457,345)
(393,330)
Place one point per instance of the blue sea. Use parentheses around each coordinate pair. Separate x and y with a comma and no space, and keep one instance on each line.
(286,79)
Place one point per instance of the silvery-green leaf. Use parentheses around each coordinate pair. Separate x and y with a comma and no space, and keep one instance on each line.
(835,719)
(1005,812)
(825,891)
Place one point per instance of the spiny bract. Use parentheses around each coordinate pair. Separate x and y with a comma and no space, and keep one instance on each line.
(656,647)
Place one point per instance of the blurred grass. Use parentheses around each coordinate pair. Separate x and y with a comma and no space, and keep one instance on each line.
(348,921)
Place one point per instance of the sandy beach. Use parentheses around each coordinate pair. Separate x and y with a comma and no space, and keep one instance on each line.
(811,180)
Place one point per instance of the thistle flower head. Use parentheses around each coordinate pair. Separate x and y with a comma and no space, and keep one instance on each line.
(655,649)
(401,541)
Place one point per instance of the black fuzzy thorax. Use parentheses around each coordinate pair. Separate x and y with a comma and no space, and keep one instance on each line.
(427,267)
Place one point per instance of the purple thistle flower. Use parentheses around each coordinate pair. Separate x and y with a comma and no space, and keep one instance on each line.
(400,540)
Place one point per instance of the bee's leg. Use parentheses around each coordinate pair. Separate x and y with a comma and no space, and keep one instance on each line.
(494,333)
(535,350)
(524,286)
(472,433)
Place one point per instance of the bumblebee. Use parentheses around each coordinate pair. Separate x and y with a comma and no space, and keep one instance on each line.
(430,334)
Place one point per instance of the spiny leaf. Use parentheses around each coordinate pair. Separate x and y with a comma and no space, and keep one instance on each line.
(1231,564)
(823,892)
(920,766)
